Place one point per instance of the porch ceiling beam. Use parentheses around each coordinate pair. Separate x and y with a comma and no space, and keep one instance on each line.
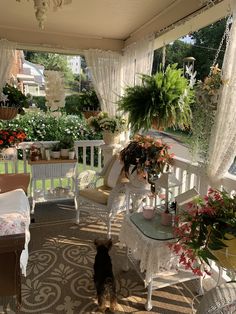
(60,43)
(186,21)
(207,17)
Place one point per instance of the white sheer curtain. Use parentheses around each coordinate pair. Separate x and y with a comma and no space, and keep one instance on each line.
(7,52)
(137,59)
(222,148)
(105,70)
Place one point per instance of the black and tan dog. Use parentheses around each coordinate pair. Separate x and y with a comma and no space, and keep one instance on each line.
(103,275)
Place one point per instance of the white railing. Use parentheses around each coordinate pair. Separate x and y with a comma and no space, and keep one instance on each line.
(191,175)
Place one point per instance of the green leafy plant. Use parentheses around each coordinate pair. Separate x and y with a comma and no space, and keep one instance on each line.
(148,156)
(13,97)
(66,142)
(203,111)
(162,100)
(204,228)
(102,122)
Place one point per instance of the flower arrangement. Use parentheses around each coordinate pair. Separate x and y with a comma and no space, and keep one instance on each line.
(102,122)
(10,138)
(35,153)
(147,155)
(204,228)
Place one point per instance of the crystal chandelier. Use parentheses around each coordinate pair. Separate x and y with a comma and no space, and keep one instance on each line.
(41,7)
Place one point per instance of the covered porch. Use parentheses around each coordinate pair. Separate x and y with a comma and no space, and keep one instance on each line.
(118,31)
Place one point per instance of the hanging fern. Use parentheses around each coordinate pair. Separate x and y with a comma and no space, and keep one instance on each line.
(163,100)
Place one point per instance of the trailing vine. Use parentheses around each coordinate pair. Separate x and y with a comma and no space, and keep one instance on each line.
(203,112)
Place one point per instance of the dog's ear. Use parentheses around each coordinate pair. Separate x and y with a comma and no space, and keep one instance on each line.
(109,244)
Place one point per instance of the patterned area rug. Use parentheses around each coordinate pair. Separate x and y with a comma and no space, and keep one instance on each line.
(60,270)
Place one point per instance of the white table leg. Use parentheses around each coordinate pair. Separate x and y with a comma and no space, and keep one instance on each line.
(148,304)
(200,286)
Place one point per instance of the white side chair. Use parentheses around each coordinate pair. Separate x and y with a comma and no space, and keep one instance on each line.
(103,193)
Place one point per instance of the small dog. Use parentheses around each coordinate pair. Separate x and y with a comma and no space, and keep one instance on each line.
(103,275)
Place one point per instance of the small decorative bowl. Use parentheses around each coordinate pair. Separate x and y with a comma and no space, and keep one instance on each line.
(148,212)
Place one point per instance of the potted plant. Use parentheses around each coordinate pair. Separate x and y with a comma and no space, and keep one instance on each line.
(66,143)
(204,110)
(146,157)
(110,126)
(56,151)
(72,153)
(206,231)
(12,101)
(162,100)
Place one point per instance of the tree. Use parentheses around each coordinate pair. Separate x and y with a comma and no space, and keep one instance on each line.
(206,42)
(175,52)
(51,61)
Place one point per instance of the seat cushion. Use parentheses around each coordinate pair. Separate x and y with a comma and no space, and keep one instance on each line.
(99,195)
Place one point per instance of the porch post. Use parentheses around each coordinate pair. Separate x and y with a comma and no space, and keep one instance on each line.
(109,151)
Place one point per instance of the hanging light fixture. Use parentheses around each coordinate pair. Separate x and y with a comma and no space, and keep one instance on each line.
(41,7)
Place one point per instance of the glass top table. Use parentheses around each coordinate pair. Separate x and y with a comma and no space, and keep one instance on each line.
(153,228)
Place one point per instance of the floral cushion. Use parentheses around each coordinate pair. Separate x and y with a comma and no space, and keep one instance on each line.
(12,223)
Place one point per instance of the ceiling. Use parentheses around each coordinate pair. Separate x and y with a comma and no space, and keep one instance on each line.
(83,24)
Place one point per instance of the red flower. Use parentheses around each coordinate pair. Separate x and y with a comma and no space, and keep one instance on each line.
(11,137)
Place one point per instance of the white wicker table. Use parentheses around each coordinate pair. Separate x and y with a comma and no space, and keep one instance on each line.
(147,248)
(52,169)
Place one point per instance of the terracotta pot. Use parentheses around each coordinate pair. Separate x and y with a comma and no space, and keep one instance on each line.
(8,113)
(110,138)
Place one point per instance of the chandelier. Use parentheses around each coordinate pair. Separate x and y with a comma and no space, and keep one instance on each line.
(41,7)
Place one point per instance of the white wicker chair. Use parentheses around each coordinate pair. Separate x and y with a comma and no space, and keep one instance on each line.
(219,300)
(102,193)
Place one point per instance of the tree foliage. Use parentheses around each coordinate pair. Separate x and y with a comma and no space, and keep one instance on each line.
(204,48)
(50,61)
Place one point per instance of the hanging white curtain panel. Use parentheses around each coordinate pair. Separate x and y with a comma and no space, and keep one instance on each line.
(7,53)
(222,150)
(137,59)
(105,67)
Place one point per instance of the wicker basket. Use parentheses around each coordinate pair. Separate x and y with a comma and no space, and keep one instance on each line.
(8,113)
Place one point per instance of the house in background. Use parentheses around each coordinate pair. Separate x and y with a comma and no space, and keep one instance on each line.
(32,78)
(27,76)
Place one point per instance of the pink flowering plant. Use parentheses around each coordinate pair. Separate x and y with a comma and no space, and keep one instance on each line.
(202,228)
(148,156)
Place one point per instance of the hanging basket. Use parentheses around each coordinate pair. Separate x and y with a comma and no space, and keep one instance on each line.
(110,138)
(8,113)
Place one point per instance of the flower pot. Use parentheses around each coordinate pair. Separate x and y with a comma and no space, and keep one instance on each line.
(56,155)
(8,113)
(227,256)
(110,138)
(148,212)
(65,153)
(72,155)
(166,219)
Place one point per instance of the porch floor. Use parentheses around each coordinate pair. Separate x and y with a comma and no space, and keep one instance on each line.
(60,269)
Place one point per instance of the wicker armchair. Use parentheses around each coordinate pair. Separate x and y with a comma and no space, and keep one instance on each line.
(219,300)
(103,193)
